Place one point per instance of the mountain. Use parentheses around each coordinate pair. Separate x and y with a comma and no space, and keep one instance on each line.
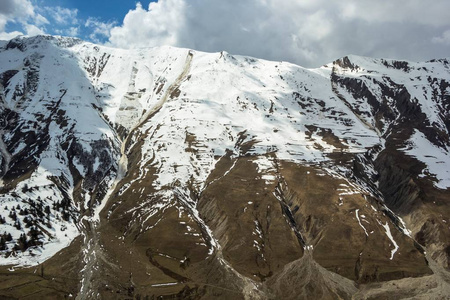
(170,173)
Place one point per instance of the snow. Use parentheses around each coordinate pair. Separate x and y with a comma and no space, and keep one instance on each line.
(265,166)
(389,235)
(19,148)
(226,104)
(347,190)
(217,117)
(60,87)
(184,196)
(35,255)
(164,284)
(96,164)
(436,159)
(359,221)
(6,156)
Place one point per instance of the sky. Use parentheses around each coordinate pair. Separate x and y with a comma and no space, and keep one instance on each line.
(305,32)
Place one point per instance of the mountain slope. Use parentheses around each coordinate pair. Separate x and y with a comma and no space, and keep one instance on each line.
(177,172)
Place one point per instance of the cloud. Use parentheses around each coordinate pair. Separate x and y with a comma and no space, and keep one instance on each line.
(73,31)
(40,20)
(21,12)
(30,19)
(306,32)
(63,16)
(68,31)
(100,30)
(399,11)
(27,18)
(32,30)
(9,35)
(20,9)
(443,39)
(159,25)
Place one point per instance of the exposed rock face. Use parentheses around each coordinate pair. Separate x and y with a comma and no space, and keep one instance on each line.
(168,173)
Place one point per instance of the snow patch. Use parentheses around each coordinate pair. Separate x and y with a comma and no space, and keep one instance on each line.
(435,158)
(389,235)
(359,221)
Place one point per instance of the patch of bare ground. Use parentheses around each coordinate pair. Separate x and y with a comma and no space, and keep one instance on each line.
(57,278)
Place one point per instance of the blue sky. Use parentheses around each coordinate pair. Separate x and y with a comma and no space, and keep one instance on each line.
(107,10)
(306,32)
(77,13)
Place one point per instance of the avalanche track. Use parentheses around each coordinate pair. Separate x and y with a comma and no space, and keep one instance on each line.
(6,156)
(90,225)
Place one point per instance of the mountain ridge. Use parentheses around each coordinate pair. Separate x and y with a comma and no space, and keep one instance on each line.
(213,161)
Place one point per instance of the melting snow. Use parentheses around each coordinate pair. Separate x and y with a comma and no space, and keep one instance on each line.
(164,284)
(435,158)
(359,221)
(388,233)
(185,138)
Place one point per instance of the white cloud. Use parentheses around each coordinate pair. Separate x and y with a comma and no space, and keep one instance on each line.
(32,30)
(443,39)
(160,25)
(100,30)
(398,11)
(20,9)
(40,20)
(9,35)
(3,22)
(73,31)
(32,20)
(316,26)
(63,15)
(306,32)
(23,13)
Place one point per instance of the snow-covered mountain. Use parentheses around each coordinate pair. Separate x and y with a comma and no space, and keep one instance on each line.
(172,172)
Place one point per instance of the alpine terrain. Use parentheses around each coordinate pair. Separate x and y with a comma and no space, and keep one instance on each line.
(169,173)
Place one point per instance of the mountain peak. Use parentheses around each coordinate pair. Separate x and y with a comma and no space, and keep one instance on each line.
(22,42)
